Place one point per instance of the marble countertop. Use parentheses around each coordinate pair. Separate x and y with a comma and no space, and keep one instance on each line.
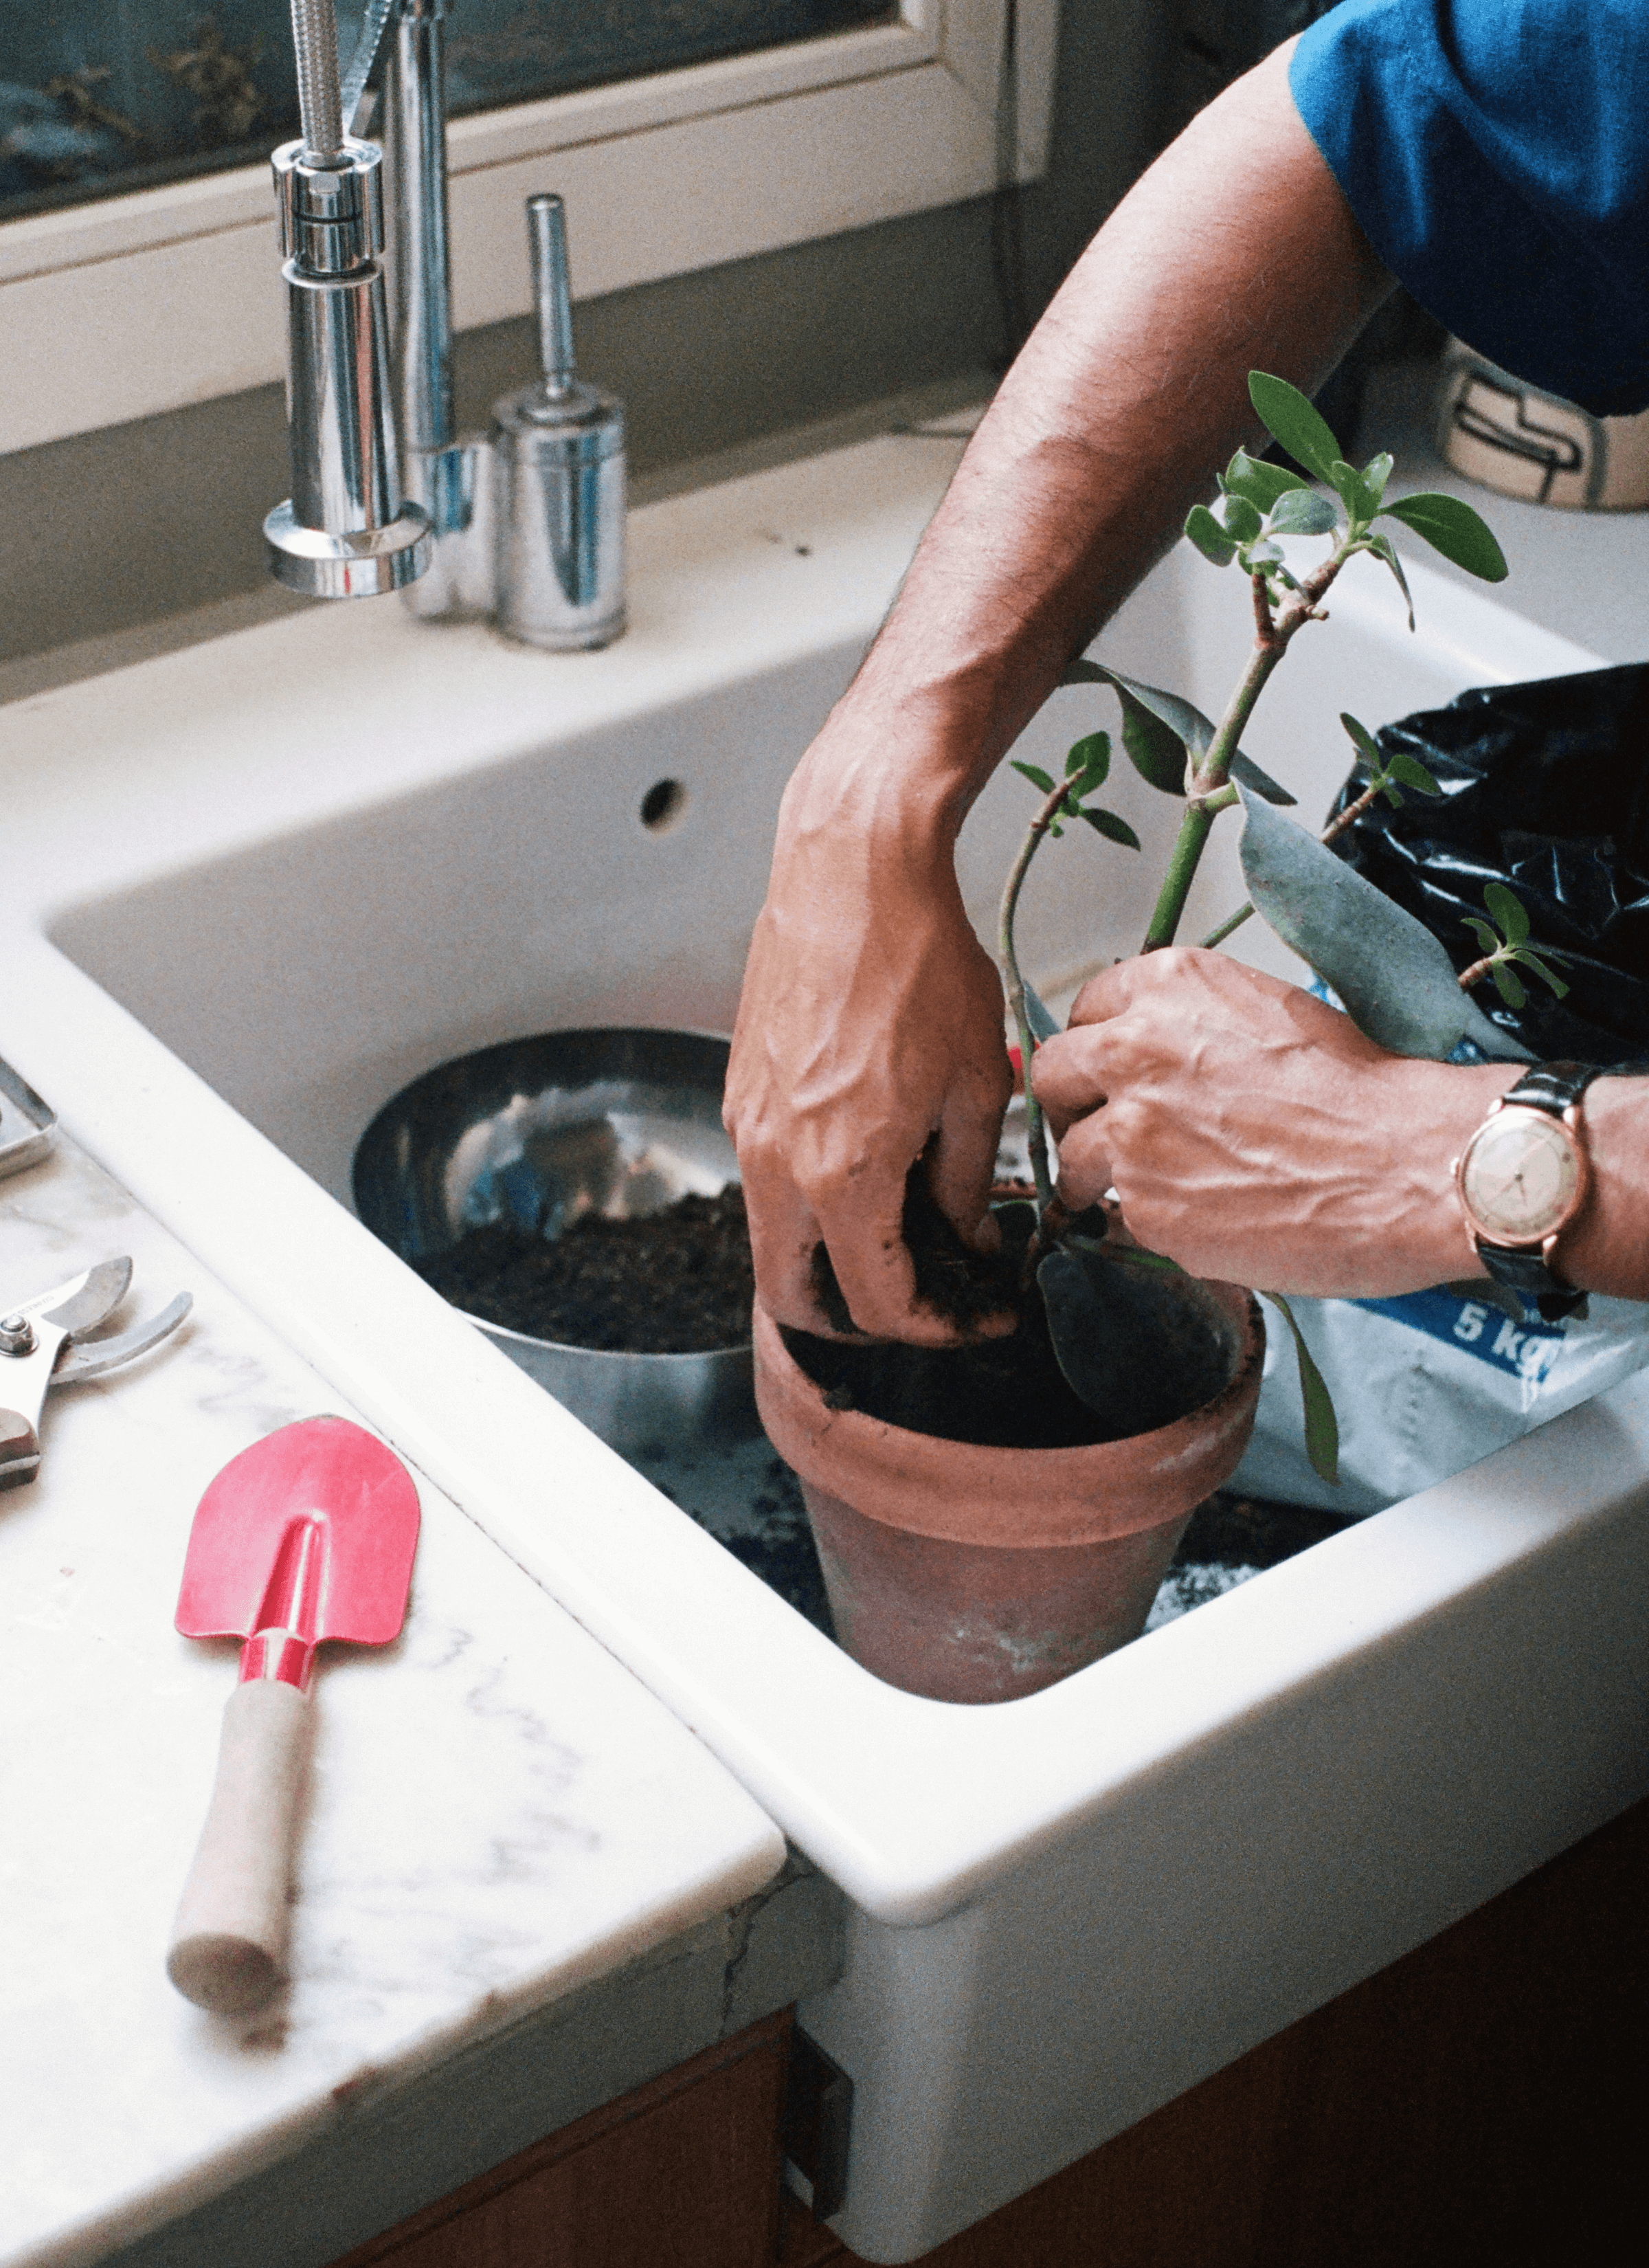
(499,1816)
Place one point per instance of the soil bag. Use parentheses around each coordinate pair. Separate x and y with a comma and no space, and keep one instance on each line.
(1545,787)
(1424,1385)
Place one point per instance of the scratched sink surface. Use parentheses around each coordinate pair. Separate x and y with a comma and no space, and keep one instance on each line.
(332,852)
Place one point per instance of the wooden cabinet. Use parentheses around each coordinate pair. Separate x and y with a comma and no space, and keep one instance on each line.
(683,2173)
(1479,2104)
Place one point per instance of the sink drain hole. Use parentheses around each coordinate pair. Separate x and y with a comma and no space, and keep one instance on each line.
(663,804)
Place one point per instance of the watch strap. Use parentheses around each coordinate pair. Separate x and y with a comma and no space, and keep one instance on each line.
(1535,1283)
(1554,1087)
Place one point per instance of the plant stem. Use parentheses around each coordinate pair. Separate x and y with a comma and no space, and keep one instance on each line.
(1233,922)
(1477,971)
(1036,1131)
(1349,816)
(1272,636)
(1188,846)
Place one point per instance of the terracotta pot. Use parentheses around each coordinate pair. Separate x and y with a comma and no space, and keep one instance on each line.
(980,1574)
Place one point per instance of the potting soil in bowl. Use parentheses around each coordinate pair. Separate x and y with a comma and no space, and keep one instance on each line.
(674,1282)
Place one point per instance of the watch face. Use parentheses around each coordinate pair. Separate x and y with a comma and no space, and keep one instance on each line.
(1520,1176)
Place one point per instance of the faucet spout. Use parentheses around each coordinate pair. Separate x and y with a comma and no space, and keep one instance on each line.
(344,532)
(524,527)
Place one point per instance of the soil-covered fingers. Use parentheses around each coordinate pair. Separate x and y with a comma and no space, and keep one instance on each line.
(784,1232)
(864,1235)
(960,1161)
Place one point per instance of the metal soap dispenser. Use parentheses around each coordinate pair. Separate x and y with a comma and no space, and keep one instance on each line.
(558,449)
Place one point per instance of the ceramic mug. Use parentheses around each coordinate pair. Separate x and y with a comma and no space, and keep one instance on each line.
(1514,437)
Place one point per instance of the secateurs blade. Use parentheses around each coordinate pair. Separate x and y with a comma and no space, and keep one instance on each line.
(307,1536)
(40,1348)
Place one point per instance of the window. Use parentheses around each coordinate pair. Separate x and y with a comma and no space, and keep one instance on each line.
(123,293)
(101,95)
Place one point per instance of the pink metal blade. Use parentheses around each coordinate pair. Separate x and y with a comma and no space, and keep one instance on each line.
(249,1528)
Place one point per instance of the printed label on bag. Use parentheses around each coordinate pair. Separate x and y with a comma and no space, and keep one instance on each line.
(1527,1349)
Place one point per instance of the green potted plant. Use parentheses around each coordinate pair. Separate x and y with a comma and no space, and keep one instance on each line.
(993,1516)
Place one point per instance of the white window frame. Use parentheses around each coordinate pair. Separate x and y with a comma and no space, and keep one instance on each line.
(137,304)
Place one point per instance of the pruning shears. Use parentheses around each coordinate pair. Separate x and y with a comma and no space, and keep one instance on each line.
(40,1349)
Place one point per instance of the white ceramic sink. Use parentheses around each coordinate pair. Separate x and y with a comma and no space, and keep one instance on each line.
(254,887)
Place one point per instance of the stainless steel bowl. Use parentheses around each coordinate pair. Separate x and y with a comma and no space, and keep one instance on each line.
(538,1132)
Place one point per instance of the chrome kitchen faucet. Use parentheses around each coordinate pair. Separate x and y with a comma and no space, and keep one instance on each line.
(526,526)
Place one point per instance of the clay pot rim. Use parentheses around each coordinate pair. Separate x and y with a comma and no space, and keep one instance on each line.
(1068,1481)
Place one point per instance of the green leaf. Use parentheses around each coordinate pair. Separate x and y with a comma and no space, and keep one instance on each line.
(1382,548)
(1244,769)
(1261,483)
(1119,1334)
(1391,795)
(1525,959)
(1035,773)
(1135,1256)
(1056,829)
(1507,909)
(1038,1016)
(1364,741)
(1158,729)
(1089,761)
(1114,829)
(1487,937)
(1083,672)
(1398,984)
(1156,754)
(1288,417)
(1455,530)
(1412,773)
(1508,986)
(1376,473)
(1241,519)
(1348,486)
(1302,512)
(1210,539)
(1322,1427)
(1263,554)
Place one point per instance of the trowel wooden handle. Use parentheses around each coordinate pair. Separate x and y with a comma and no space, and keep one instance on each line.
(229,1942)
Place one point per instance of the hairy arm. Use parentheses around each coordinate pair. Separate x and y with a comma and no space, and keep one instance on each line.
(870,1031)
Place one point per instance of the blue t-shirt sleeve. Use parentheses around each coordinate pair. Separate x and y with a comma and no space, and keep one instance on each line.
(1496,155)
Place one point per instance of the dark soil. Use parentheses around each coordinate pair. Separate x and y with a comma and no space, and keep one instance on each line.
(1000,1393)
(967,1288)
(679,1282)
(1236,1531)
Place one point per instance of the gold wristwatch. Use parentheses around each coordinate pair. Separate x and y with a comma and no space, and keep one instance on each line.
(1523,1177)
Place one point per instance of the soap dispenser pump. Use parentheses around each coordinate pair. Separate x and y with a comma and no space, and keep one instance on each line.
(558,451)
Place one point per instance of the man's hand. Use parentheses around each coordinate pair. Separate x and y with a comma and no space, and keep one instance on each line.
(1254,1135)
(870,1023)
(872,1018)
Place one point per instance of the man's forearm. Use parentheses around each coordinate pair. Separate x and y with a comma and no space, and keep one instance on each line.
(1608,1247)
(1236,250)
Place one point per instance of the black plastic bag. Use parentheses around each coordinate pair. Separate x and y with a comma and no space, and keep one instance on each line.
(1545,788)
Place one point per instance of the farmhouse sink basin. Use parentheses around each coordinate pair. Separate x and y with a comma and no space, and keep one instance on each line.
(255,887)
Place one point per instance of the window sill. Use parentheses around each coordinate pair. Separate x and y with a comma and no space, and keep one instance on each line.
(136,305)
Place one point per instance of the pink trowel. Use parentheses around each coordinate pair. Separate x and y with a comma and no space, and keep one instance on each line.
(307,1536)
